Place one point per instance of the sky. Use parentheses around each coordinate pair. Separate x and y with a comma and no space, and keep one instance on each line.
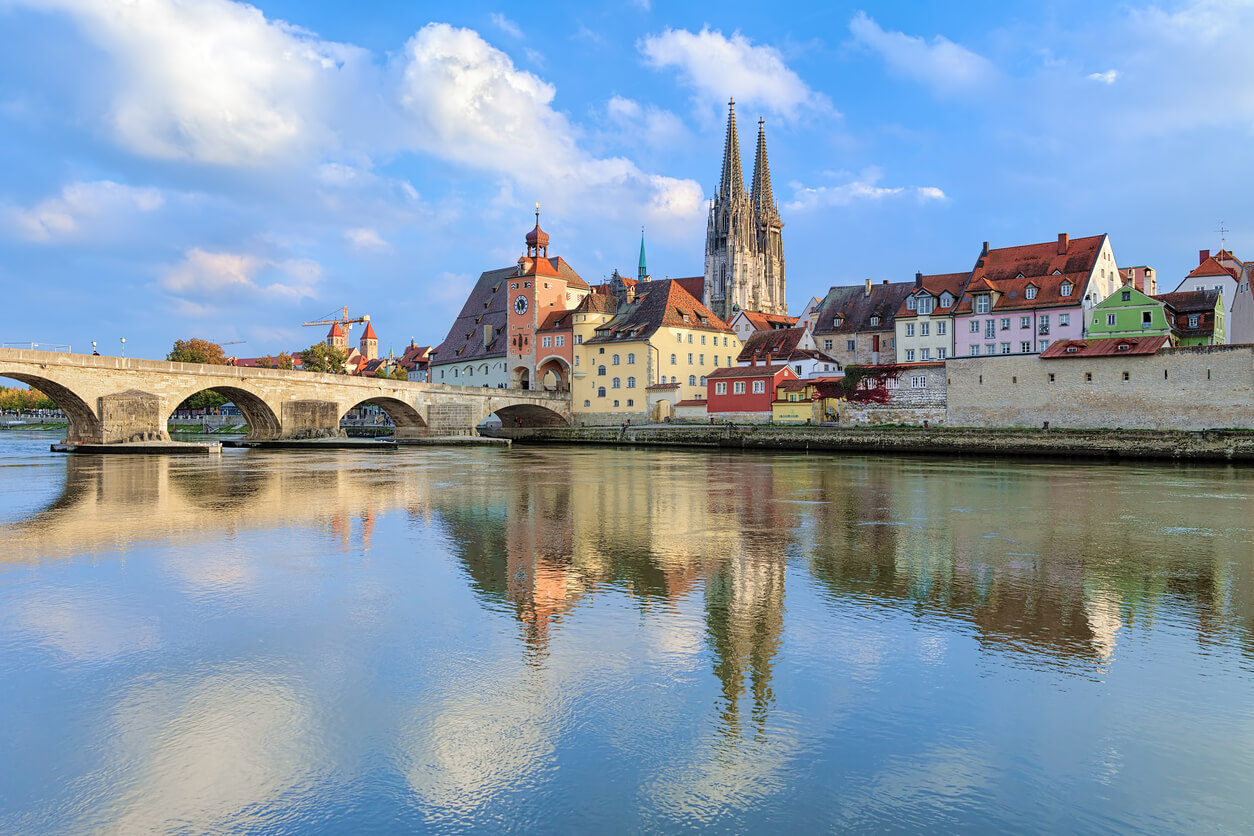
(208,168)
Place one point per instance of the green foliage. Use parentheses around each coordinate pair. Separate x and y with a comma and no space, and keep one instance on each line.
(207,399)
(321,357)
(197,350)
(13,399)
(284,361)
(399,373)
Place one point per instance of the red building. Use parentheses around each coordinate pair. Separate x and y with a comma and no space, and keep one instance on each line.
(745,391)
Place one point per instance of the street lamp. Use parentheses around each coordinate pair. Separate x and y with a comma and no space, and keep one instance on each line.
(123,346)
(93,347)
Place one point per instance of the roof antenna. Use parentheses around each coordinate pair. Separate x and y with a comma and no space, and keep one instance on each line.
(1222,241)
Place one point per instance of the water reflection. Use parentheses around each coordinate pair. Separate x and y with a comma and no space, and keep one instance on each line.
(704,625)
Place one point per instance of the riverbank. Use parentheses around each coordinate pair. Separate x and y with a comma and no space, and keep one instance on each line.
(1110,445)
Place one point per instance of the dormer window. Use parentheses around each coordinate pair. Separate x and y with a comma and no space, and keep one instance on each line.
(1056,273)
(1020,276)
(1123,347)
(910,304)
(1065,289)
(982,303)
(1071,349)
(875,320)
(1030,293)
(946,300)
(925,305)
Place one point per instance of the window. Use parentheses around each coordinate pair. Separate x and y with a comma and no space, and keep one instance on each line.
(918,381)
(975,349)
(1025,347)
(1088,377)
(601,350)
(690,339)
(1005,323)
(692,380)
(674,360)
(1126,377)
(1065,289)
(600,371)
(910,329)
(587,404)
(703,339)
(946,300)
(909,355)
(600,391)
(975,326)
(1025,322)
(1125,296)
(631,383)
(631,359)
(981,303)
(1042,325)
(716,360)
(875,321)
(738,388)
(926,304)
(616,384)
(689,358)
(579,339)
(940,328)
(911,304)
(679,338)
(615,403)
(924,328)
(759,387)
(1110,320)
(559,341)
(940,353)
(701,381)
(1030,293)
(797,369)
(700,359)
(576,359)
(990,348)
(827,345)
(546,342)
(1064,319)
(631,402)
(673,380)
(729,362)
(1005,348)
(1193,320)
(614,362)
(990,328)
(1051,377)
(849,345)
(925,354)
(720,388)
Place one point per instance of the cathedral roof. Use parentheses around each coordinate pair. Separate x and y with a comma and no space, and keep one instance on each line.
(732,181)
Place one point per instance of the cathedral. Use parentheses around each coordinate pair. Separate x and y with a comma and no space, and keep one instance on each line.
(744,240)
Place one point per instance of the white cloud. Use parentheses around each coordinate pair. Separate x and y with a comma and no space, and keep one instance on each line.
(718,67)
(367,240)
(216,274)
(1107,77)
(506,25)
(942,64)
(862,189)
(468,103)
(214,81)
(650,125)
(80,209)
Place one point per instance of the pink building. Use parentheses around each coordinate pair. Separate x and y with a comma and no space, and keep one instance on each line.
(1021,299)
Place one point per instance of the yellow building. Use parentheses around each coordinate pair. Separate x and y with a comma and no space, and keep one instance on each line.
(641,350)
(801,401)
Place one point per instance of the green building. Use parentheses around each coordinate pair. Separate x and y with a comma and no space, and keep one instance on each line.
(1128,313)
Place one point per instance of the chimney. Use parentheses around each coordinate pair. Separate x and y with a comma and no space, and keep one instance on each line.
(1063,240)
(868,288)
(487,335)
(885,281)
(984,252)
(1202,255)
(918,279)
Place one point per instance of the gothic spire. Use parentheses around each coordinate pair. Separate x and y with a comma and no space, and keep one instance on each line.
(732,185)
(644,271)
(762,198)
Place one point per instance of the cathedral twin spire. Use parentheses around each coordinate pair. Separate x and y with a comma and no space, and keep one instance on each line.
(744,242)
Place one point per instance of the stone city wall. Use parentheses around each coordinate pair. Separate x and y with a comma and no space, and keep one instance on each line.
(907,403)
(1194,388)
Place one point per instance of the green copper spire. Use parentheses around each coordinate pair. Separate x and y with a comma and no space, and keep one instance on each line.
(644,271)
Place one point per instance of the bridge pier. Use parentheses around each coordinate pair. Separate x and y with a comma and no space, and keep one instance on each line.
(131,416)
(311,419)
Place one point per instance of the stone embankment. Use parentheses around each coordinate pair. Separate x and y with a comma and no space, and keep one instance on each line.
(1110,445)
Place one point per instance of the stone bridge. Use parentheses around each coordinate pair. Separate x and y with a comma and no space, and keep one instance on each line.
(115,399)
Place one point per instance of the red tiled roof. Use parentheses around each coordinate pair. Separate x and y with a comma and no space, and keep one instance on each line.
(693,402)
(600,301)
(695,285)
(1032,260)
(336,330)
(767,322)
(368,334)
(771,345)
(556,321)
(663,386)
(1211,267)
(414,357)
(659,304)
(1104,347)
(749,371)
(937,285)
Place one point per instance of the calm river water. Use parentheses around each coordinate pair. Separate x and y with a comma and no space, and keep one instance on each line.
(579,640)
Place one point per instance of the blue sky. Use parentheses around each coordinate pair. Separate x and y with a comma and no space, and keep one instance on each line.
(179,168)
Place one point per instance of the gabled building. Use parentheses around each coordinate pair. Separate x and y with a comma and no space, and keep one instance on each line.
(791,347)
(1128,313)
(1223,272)
(925,321)
(748,323)
(415,360)
(1020,299)
(745,393)
(647,351)
(1196,317)
(857,325)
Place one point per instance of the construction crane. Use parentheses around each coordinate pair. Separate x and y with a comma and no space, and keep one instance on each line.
(229,342)
(343,320)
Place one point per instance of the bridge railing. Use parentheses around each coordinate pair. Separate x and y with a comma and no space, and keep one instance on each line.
(58,348)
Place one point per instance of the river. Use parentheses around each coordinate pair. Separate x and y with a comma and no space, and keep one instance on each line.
(551,639)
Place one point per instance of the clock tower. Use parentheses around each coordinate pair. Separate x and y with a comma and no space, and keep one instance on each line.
(535,290)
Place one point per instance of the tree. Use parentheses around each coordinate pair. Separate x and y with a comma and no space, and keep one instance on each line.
(14,399)
(266,362)
(197,350)
(321,357)
(284,361)
(208,399)
(399,373)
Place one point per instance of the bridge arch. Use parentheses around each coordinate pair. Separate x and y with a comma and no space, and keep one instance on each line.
(263,423)
(85,426)
(530,415)
(407,420)
(553,374)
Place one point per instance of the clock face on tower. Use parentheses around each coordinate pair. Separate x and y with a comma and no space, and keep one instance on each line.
(520,304)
